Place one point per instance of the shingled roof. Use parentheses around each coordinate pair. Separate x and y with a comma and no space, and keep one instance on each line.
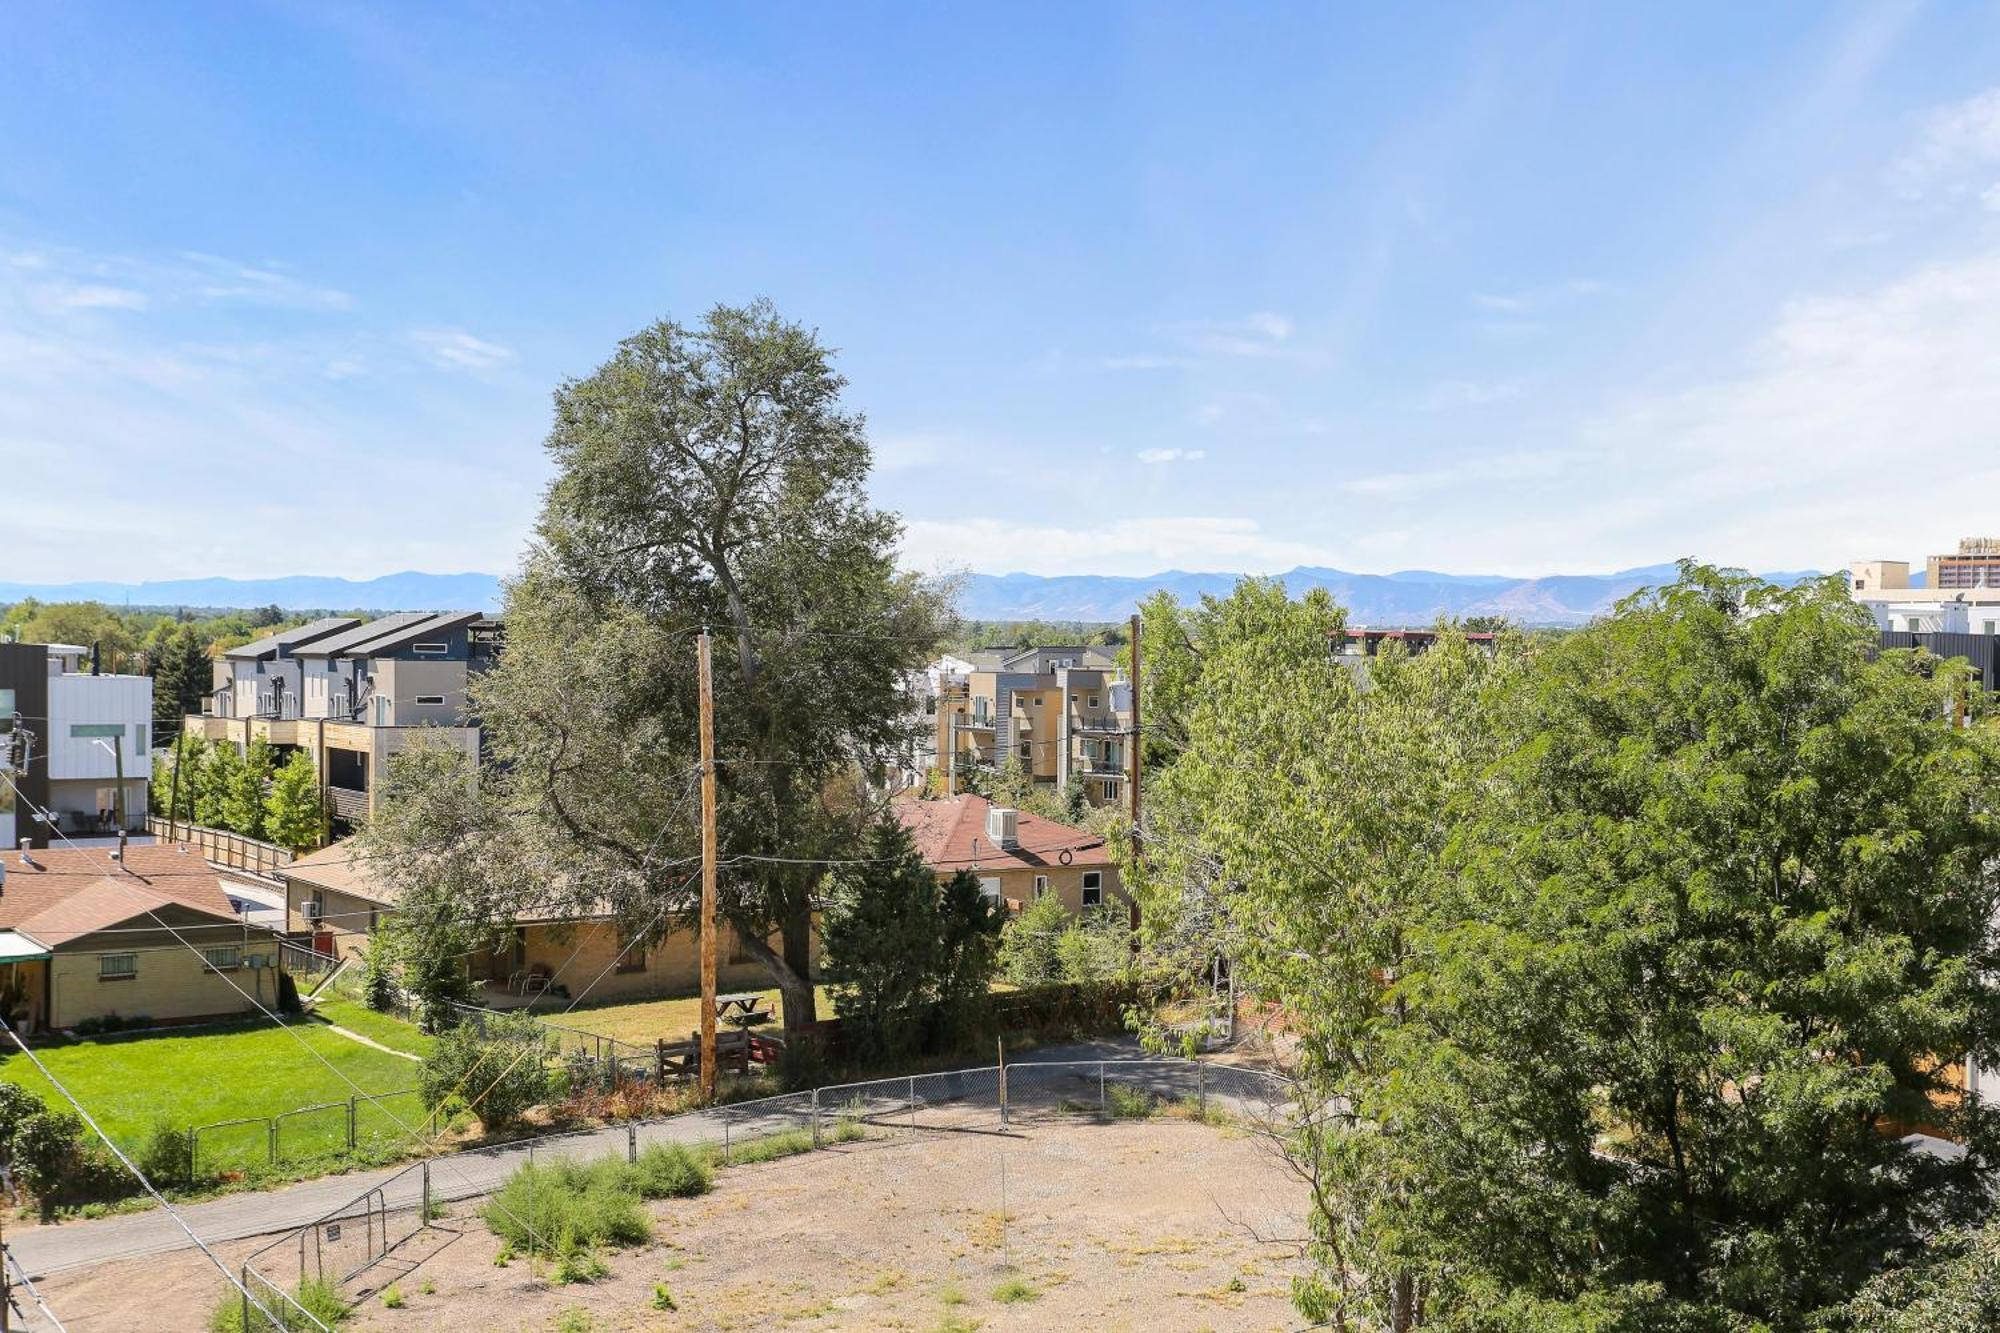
(951,835)
(65,892)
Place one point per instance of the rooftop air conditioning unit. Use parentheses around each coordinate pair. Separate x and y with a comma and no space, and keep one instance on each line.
(1002,826)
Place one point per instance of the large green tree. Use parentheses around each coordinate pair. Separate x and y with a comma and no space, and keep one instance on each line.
(1722,923)
(706,477)
(182,676)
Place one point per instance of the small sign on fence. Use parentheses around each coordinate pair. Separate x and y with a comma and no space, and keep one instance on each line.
(333,1231)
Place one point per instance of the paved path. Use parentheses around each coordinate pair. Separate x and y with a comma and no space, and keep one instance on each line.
(352,1035)
(51,1249)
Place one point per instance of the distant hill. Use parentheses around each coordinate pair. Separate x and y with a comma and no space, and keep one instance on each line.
(1408,597)
(409,591)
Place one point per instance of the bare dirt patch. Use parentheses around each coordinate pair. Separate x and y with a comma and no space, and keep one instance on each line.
(1127,1225)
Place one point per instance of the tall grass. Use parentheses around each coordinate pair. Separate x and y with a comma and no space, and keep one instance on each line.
(318,1298)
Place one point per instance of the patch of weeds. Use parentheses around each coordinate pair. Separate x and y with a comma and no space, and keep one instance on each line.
(957,1323)
(429,1288)
(771,1147)
(1123,1103)
(1014,1291)
(587,1205)
(848,1129)
(317,1298)
(1235,1285)
(662,1298)
(392,1297)
(576,1319)
(951,1294)
(885,1282)
(503,1256)
(577,1261)
(672,1171)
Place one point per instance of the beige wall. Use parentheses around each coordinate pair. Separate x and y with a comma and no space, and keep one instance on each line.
(172,983)
(342,915)
(1066,882)
(672,966)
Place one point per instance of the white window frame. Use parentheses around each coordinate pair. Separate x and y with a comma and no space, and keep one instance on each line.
(431,649)
(428,700)
(117,967)
(990,886)
(1096,700)
(1093,888)
(1041,887)
(222,957)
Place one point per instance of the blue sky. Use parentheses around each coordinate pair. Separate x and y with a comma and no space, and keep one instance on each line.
(285,288)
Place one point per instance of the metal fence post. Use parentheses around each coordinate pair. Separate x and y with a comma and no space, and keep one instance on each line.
(1201,1087)
(1003,1096)
(815,1117)
(913,1101)
(1103,1106)
(427,1194)
(244,1283)
(273,1123)
(632,1144)
(350,1122)
(725,1140)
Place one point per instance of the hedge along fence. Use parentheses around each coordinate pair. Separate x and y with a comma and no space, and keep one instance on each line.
(365,1124)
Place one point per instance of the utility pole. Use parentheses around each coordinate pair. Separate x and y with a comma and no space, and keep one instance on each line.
(118,803)
(1135,732)
(707,875)
(174,799)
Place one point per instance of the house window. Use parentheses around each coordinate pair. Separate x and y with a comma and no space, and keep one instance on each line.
(1027,748)
(990,886)
(1094,700)
(633,959)
(227,958)
(117,966)
(1041,886)
(430,649)
(430,698)
(1093,888)
(1038,701)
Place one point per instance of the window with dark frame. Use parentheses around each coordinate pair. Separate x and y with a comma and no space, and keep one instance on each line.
(117,966)
(1093,888)
(633,959)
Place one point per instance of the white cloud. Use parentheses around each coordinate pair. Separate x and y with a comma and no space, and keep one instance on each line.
(1448,395)
(455,349)
(1481,471)
(1155,456)
(1122,546)
(1956,142)
(91,296)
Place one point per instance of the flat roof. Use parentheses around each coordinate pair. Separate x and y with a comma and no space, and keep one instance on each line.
(18,948)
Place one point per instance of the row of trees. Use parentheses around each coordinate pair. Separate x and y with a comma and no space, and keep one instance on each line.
(1619,967)
(241,790)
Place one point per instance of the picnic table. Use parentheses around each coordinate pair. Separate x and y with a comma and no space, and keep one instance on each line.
(743,1009)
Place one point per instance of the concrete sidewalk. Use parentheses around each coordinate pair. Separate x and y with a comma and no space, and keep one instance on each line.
(52,1249)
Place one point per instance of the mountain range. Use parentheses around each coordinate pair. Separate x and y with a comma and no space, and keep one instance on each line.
(1407,597)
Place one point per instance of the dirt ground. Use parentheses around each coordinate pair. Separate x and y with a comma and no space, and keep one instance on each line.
(1149,1225)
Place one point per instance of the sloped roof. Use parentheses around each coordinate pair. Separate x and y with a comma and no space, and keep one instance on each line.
(951,835)
(344,643)
(340,867)
(295,637)
(72,891)
(442,622)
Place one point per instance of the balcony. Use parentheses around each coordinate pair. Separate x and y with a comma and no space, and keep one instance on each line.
(348,804)
(1101,724)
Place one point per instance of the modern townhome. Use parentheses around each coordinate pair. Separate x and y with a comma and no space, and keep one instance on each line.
(67,731)
(88,933)
(352,693)
(1017,856)
(335,902)
(1064,712)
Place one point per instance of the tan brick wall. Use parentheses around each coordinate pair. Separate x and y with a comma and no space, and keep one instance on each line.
(172,983)
(343,916)
(673,965)
(1066,882)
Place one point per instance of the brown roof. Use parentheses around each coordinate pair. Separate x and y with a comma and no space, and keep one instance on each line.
(951,835)
(342,868)
(70,891)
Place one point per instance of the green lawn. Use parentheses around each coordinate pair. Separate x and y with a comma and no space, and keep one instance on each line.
(132,1083)
(391,1031)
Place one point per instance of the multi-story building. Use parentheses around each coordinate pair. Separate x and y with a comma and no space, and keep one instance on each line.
(67,732)
(352,693)
(1065,713)
(1960,593)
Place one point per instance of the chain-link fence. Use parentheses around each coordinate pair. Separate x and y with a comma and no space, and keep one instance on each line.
(326,1132)
(381,1235)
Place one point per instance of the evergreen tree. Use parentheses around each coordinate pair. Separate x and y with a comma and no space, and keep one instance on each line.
(182,676)
(216,776)
(907,959)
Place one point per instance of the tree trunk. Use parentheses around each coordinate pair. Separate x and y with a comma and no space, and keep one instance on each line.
(797,930)
(795,987)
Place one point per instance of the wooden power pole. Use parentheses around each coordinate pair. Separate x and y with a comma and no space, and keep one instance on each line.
(1135,732)
(707,875)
